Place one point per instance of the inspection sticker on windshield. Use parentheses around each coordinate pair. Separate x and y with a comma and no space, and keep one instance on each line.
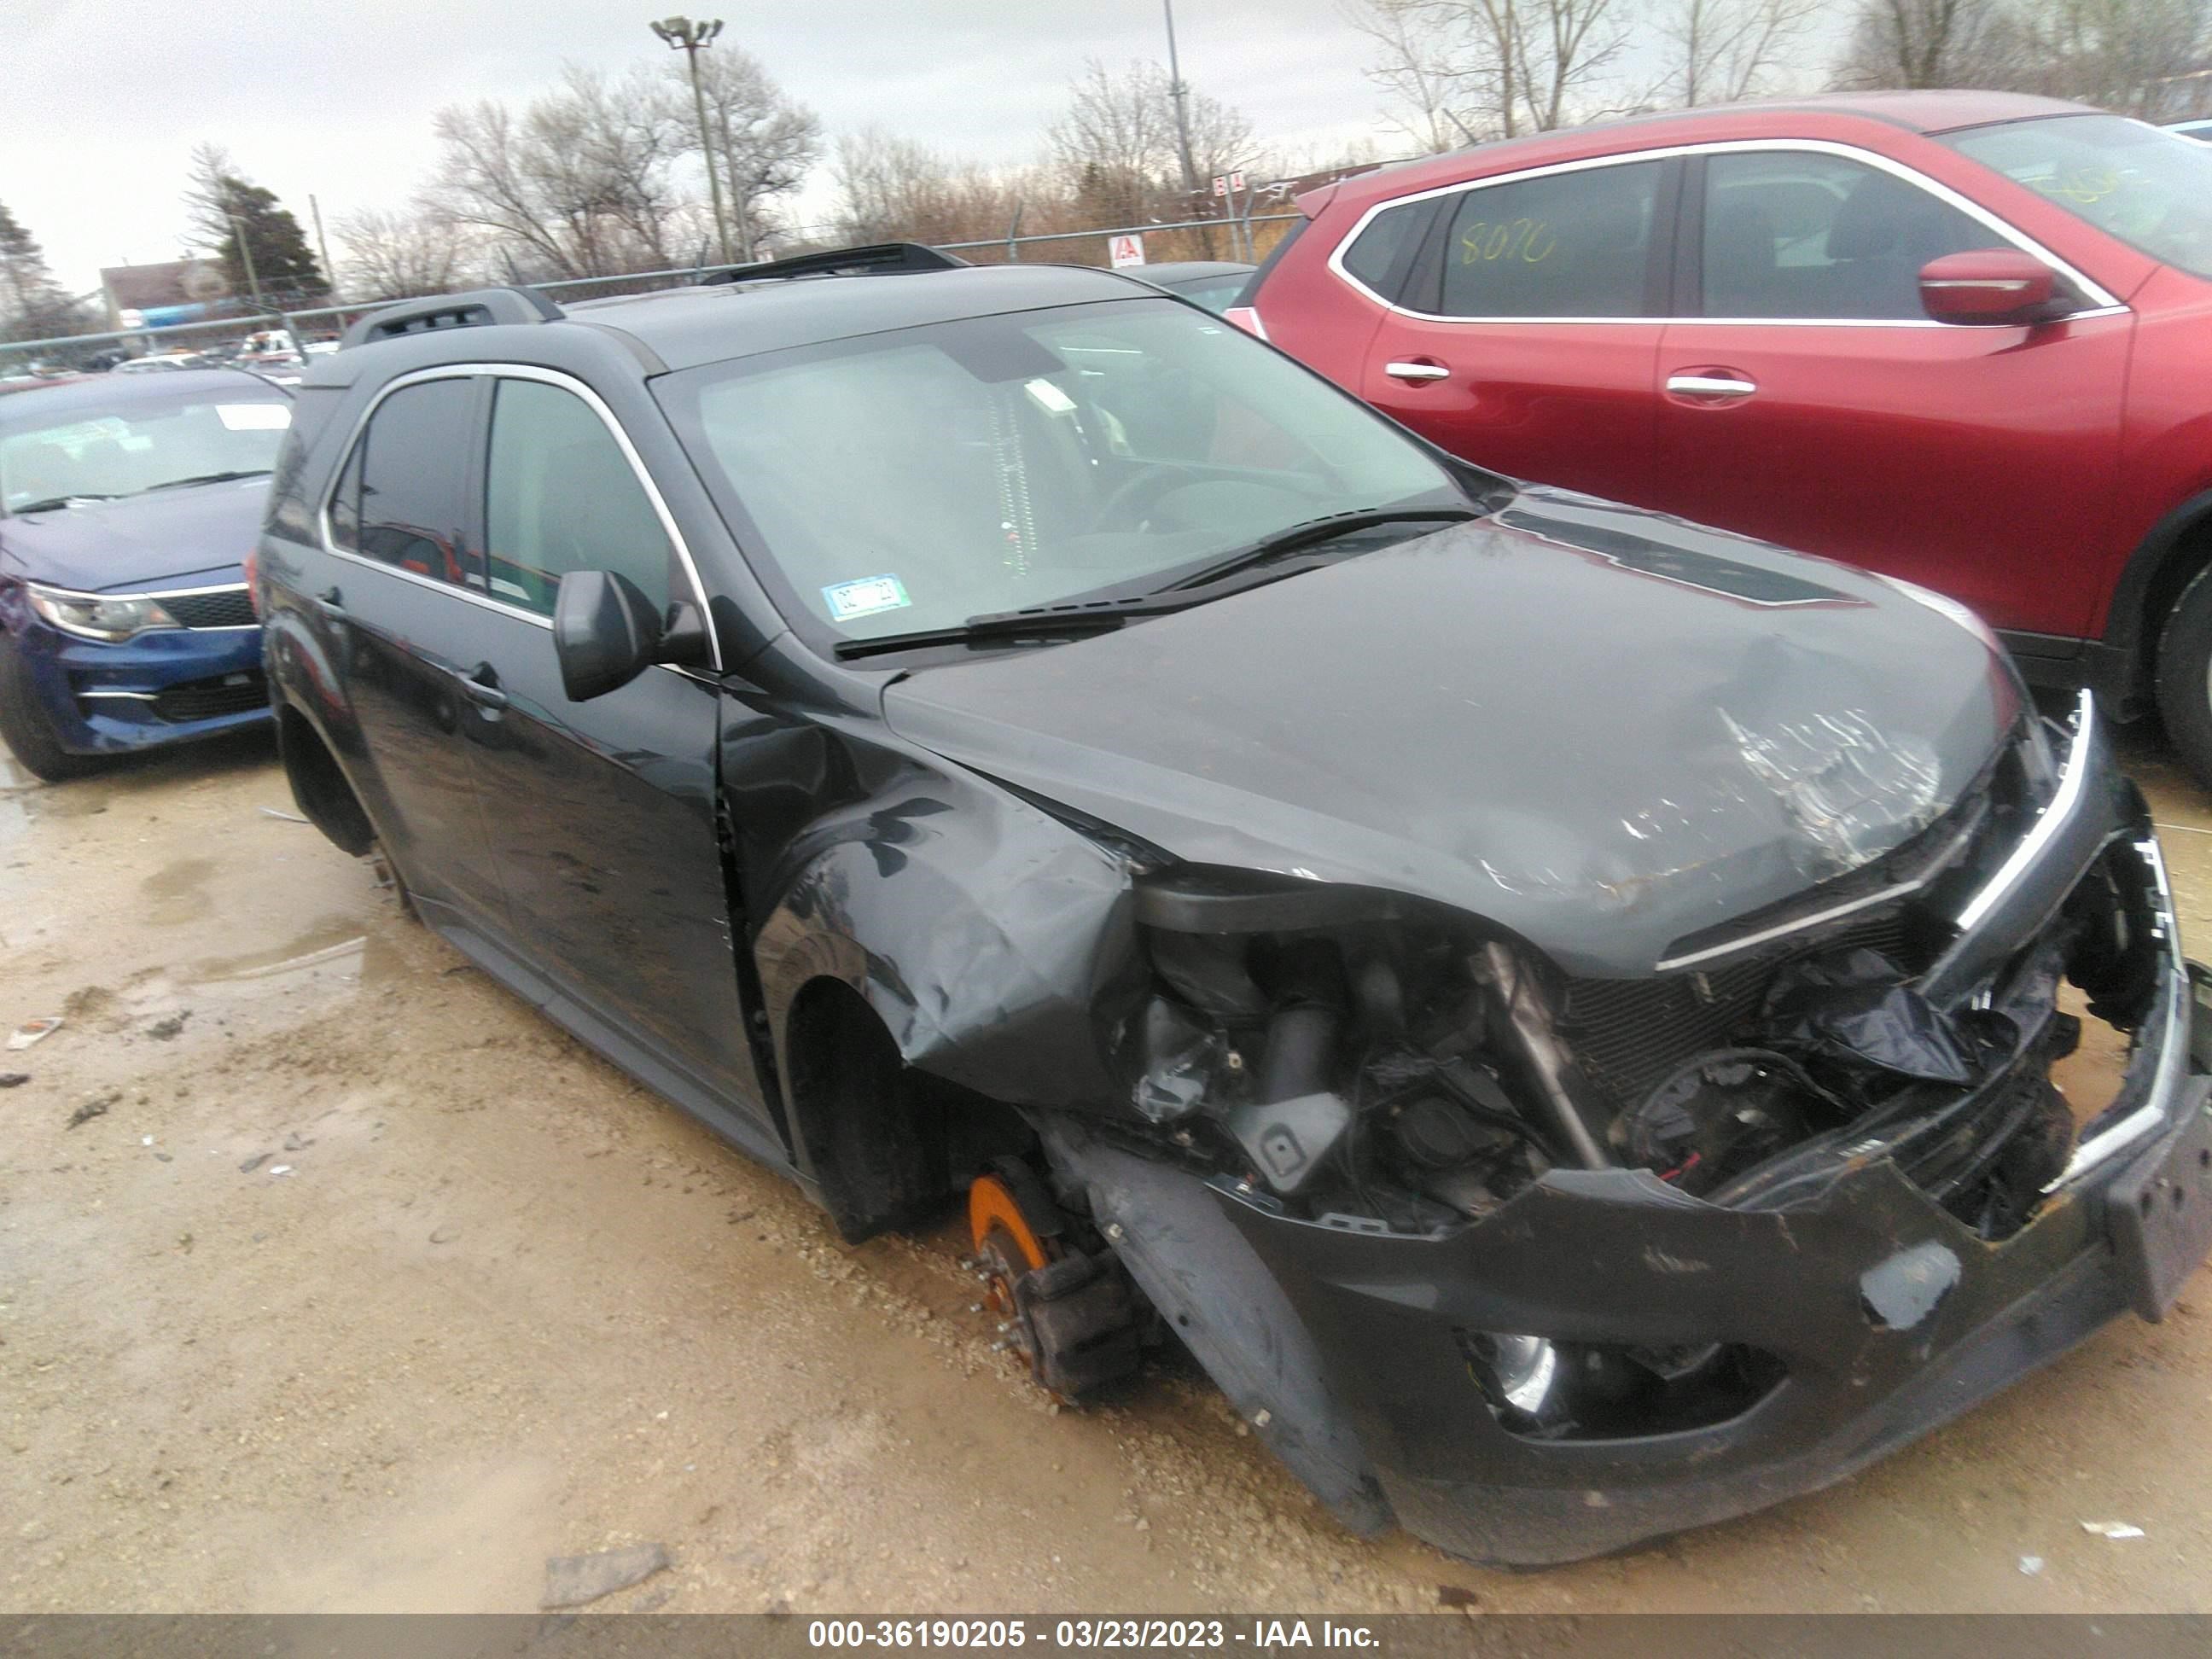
(866,597)
(255,417)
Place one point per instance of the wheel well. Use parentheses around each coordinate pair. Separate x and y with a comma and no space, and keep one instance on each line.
(319,786)
(887,1144)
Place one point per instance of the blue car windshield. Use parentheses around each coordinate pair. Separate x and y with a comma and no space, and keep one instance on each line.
(142,445)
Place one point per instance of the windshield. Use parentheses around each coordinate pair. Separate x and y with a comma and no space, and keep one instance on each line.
(2150,188)
(144,445)
(912,480)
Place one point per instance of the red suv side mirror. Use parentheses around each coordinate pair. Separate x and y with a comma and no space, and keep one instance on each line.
(1989,286)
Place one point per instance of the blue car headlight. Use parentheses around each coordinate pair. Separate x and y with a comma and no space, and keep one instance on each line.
(92,617)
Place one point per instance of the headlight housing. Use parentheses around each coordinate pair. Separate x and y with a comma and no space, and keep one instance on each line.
(91,617)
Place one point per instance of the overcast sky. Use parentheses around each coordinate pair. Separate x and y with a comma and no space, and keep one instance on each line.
(102,100)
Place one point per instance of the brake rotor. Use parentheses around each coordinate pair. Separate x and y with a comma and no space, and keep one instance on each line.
(1012,1239)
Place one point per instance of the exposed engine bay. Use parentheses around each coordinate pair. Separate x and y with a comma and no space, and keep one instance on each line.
(1397,1068)
(1364,1062)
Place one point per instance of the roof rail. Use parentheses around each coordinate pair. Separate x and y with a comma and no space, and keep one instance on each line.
(479,307)
(877,260)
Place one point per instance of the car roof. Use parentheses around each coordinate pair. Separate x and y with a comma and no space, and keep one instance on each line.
(685,327)
(1189,270)
(101,393)
(1827,115)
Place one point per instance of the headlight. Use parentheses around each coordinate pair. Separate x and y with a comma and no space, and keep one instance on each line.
(91,618)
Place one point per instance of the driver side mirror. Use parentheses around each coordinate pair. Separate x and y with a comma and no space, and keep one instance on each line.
(606,633)
(1990,287)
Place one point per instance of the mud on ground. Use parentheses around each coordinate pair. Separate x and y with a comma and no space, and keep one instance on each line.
(356,1285)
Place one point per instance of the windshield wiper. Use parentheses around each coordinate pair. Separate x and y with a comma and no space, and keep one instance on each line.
(209,477)
(1046,622)
(1311,531)
(54,503)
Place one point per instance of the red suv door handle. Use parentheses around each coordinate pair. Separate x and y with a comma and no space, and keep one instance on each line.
(1417,371)
(1710,385)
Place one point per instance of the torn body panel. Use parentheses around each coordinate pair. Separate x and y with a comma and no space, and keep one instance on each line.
(1646,1246)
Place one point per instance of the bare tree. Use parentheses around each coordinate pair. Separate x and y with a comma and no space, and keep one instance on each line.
(579,183)
(895,189)
(1116,150)
(2115,53)
(1421,69)
(1494,69)
(765,142)
(1932,43)
(1721,51)
(397,255)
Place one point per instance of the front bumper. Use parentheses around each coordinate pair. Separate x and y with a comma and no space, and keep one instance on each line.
(169,685)
(1875,1314)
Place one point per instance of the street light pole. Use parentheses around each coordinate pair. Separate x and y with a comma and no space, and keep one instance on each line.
(1179,94)
(245,259)
(682,35)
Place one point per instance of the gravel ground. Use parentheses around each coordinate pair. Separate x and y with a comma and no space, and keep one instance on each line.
(355,1285)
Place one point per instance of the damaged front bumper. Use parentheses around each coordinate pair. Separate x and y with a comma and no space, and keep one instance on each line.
(1804,1328)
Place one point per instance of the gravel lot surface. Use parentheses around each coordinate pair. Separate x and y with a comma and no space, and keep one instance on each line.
(356,1286)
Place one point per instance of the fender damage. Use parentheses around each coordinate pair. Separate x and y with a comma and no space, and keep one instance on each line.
(1555,1118)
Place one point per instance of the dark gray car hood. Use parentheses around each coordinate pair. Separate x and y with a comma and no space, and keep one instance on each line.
(1600,728)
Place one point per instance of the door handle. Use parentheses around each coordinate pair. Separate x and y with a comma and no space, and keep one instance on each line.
(481,686)
(1416,374)
(330,602)
(1712,383)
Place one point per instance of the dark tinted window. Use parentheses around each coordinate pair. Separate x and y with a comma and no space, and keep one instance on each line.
(1374,252)
(411,471)
(1797,233)
(561,495)
(1567,245)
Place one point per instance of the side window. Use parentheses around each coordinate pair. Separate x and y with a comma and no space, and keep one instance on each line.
(404,490)
(345,503)
(561,495)
(1566,244)
(1799,234)
(1373,255)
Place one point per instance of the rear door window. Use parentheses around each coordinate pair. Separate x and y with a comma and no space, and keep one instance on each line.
(1801,235)
(1562,245)
(1375,255)
(401,499)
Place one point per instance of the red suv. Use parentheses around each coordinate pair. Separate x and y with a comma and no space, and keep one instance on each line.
(1960,337)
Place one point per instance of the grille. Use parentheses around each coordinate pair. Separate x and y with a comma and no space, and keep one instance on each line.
(1629,1033)
(203,700)
(228,607)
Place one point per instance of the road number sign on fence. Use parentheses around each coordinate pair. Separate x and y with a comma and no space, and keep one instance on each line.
(1126,250)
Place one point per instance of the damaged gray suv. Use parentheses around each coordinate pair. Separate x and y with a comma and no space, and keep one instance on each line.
(1554,1006)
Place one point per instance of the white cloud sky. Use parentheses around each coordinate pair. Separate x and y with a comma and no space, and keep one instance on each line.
(102,100)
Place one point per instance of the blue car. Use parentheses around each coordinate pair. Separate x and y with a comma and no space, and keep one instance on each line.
(127,504)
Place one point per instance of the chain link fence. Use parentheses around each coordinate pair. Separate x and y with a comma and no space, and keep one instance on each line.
(1209,238)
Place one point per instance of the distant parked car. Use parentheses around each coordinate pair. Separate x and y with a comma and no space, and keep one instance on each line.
(1214,283)
(160,362)
(126,508)
(1960,337)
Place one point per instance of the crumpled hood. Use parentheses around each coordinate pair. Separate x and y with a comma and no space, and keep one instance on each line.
(141,541)
(1602,728)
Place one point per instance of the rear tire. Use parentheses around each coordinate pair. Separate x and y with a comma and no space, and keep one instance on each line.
(24,724)
(2184,676)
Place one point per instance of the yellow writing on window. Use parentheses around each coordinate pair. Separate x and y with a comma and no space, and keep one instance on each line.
(1528,241)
